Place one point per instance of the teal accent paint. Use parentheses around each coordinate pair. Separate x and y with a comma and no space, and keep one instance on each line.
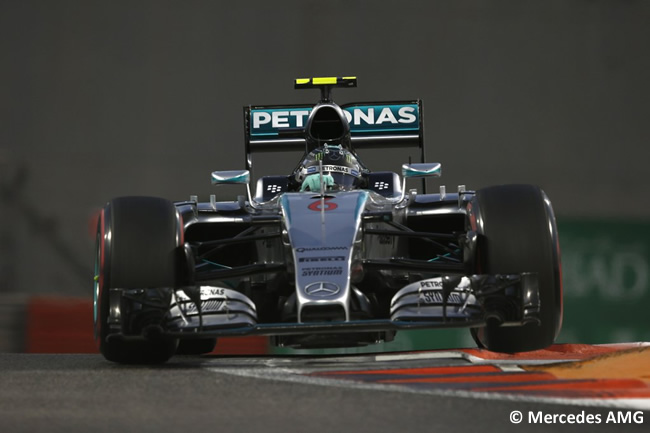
(361,202)
(371,131)
(231,177)
(313,182)
(216,264)
(422,170)
(284,204)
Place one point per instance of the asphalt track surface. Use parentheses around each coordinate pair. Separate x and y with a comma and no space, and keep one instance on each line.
(85,393)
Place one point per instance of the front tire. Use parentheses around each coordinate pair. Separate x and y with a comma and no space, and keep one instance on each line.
(137,244)
(517,233)
(199,346)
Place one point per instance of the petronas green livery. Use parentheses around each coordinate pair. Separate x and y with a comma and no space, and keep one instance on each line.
(327,252)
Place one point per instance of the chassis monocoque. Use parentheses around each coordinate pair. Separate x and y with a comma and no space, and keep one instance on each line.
(327,268)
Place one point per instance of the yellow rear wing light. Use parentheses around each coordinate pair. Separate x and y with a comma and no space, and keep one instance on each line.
(325,84)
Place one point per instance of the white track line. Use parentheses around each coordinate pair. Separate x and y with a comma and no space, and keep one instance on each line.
(290,370)
(298,376)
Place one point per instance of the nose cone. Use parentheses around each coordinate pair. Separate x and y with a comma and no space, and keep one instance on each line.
(327,124)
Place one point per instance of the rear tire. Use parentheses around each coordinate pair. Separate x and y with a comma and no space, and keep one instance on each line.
(137,240)
(517,233)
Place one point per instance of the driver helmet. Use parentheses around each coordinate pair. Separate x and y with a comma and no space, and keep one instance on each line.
(340,169)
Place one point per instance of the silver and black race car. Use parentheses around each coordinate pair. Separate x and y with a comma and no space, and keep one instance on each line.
(331,255)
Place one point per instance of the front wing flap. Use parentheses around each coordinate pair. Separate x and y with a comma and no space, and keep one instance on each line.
(503,299)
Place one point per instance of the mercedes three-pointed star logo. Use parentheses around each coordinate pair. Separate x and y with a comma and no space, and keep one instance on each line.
(322,289)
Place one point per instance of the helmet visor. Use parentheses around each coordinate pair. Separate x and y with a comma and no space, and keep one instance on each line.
(344,181)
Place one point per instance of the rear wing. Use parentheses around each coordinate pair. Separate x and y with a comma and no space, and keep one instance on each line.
(372,125)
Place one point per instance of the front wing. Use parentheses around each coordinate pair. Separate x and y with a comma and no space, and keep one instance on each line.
(441,302)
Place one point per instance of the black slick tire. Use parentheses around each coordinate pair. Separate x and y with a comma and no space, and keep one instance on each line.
(517,233)
(137,247)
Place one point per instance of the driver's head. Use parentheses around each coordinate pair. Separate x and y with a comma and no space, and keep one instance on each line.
(340,169)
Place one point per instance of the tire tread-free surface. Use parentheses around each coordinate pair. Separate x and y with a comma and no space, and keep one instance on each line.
(519,235)
(141,253)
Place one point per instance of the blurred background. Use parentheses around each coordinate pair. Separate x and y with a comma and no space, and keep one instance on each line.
(106,98)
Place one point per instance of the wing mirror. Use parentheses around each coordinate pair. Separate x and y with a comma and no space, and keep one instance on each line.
(234,177)
(428,169)
(231,177)
(422,170)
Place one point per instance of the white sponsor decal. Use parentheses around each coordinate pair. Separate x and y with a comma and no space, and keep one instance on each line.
(355,116)
(431,283)
(435,297)
(279,119)
(302,250)
(331,169)
(359,117)
(210,306)
(322,259)
(316,272)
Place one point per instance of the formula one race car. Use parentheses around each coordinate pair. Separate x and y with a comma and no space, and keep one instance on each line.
(331,255)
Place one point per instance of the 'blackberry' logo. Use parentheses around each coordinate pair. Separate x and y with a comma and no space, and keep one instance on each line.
(381,185)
